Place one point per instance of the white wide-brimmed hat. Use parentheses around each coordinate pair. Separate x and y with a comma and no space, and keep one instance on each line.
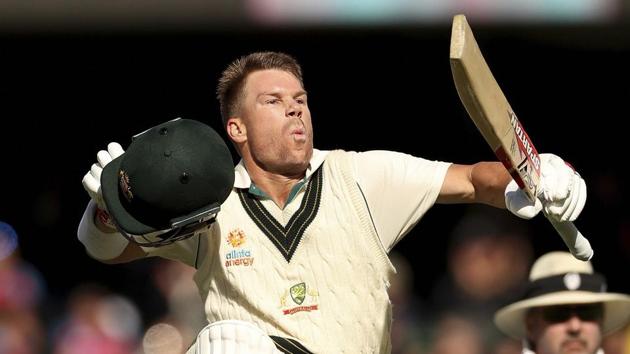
(558,278)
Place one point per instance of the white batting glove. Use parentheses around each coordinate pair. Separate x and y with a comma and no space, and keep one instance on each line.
(233,337)
(561,193)
(562,190)
(92,180)
(519,204)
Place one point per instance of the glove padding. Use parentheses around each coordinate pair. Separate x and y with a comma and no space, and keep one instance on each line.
(92,180)
(561,193)
(233,337)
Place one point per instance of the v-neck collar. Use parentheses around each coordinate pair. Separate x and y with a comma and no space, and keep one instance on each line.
(286,238)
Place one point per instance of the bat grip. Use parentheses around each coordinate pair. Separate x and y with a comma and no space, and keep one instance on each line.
(578,244)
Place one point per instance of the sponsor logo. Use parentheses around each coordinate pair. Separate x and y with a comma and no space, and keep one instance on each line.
(526,143)
(530,164)
(301,295)
(238,256)
(236,238)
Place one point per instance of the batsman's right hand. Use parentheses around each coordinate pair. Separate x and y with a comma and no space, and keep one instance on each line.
(561,194)
(92,179)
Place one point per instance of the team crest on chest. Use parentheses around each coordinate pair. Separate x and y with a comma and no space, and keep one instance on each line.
(298,292)
(302,295)
(238,255)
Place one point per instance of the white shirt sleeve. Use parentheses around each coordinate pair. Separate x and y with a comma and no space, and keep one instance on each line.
(399,189)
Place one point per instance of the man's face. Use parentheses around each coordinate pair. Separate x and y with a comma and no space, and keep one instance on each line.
(278,125)
(565,329)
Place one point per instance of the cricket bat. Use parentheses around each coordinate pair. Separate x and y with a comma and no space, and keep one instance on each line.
(491,112)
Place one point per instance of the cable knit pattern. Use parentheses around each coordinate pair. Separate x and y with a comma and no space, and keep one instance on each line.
(331,295)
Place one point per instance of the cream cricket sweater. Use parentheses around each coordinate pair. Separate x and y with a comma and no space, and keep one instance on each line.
(322,278)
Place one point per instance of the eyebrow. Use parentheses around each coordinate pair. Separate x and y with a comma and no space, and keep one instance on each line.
(277,94)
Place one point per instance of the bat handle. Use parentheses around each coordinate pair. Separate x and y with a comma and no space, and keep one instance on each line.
(578,244)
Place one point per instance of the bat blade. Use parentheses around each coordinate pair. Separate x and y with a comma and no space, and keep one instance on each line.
(491,112)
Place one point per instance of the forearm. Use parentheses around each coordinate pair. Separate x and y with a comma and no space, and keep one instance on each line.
(489,180)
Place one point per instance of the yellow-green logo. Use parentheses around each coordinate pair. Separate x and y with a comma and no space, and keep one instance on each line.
(298,293)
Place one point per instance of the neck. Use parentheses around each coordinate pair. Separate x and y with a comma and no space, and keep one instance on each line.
(276,185)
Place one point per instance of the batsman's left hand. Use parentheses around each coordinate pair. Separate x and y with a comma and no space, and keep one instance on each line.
(519,204)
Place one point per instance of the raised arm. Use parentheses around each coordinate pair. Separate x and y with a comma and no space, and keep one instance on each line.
(483,182)
(562,192)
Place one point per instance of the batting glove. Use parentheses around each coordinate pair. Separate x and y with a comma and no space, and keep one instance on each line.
(233,337)
(519,204)
(92,180)
(562,190)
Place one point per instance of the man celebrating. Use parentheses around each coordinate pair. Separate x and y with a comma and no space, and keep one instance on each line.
(299,247)
(566,308)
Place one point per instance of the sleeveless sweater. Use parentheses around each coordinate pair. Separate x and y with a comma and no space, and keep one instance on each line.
(322,278)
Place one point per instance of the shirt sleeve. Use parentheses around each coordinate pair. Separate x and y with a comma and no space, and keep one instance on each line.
(399,189)
(184,250)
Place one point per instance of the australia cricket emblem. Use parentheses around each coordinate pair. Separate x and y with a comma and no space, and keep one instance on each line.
(298,292)
(305,297)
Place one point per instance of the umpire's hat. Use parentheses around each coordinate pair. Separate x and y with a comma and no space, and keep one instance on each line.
(558,278)
(169,175)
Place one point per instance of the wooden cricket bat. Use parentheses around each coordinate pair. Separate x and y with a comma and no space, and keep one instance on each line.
(490,111)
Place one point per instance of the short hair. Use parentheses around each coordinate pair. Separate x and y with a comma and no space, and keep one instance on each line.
(230,87)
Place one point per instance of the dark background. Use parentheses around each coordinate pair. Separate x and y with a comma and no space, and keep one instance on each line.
(65,94)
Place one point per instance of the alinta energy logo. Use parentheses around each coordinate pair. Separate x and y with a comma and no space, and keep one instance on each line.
(301,295)
(238,256)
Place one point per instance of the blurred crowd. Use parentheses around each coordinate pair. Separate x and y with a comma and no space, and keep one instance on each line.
(94,319)
(488,260)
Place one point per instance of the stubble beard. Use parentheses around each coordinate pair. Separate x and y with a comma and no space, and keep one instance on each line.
(285,159)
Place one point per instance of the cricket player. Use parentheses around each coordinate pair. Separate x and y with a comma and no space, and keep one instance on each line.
(295,242)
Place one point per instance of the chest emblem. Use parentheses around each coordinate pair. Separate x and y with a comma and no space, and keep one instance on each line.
(305,297)
(236,238)
(298,292)
(238,255)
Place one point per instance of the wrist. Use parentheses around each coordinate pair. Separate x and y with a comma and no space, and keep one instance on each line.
(102,245)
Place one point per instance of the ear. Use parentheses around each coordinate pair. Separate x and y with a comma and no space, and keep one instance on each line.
(532,326)
(236,130)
